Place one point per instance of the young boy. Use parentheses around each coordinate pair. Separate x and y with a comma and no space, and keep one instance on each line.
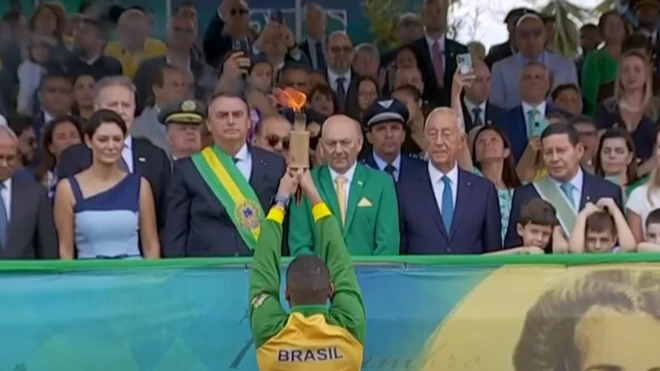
(537,227)
(651,241)
(598,228)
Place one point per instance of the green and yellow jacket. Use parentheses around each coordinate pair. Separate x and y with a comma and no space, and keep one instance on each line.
(311,337)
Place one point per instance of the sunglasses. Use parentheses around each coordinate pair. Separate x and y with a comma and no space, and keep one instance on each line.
(274,139)
(234,12)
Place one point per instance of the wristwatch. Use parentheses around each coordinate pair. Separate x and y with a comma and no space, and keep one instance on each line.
(281,199)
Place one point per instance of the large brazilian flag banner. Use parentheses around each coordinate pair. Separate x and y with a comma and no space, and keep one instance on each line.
(521,313)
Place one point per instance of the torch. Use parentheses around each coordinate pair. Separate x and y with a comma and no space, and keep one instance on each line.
(299,138)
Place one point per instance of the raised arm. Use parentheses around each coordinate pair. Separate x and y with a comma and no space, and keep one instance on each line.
(267,317)
(347,307)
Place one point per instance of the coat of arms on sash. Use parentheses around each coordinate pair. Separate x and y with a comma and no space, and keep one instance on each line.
(248,214)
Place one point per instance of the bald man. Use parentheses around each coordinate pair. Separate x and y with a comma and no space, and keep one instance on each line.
(26,216)
(362,199)
(477,108)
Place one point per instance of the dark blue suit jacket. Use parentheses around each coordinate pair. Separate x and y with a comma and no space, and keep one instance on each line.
(493,115)
(410,166)
(198,224)
(514,125)
(476,226)
(593,189)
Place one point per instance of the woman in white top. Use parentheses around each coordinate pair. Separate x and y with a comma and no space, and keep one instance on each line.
(30,73)
(645,198)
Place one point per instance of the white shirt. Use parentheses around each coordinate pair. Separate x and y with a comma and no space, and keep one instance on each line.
(48,118)
(639,202)
(577,182)
(332,79)
(470,108)
(430,41)
(127,153)
(382,163)
(5,193)
(348,178)
(188,65)
(439,186)
(244,162)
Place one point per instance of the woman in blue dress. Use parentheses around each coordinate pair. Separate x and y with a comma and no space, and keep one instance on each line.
(103,212)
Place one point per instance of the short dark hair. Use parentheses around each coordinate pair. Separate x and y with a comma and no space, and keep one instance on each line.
(291,67)
(101,27)
(52,75)
(589,26)
(47,139)
(600,222)
(634,42)
(538,211)
(159,76)
(653,218)
(229,93)
(101,117)
(603,18)
(308,280)
(560,128)
(409,89)
(19,123)
(12,16)
(582,119)
(563,87)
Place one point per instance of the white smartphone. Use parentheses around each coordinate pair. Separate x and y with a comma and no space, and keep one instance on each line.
(464,62)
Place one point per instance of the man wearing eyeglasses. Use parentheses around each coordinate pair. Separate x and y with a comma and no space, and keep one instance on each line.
(531,42)
(273,135)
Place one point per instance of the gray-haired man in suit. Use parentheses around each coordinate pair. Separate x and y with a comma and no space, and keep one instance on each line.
(531,41)
(26,217)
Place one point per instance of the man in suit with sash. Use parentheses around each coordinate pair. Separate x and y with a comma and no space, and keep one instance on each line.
(567,187)
(363,199)
(218,196)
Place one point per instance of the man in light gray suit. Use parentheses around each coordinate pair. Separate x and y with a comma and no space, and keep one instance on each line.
(26,216)
(168,87)
(530,39)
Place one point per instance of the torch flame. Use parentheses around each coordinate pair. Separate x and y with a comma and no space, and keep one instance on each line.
(293,98)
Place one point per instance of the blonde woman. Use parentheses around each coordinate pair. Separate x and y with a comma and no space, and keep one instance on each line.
(633,107)
(646,197)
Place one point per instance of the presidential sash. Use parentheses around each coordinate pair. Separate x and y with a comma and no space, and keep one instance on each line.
(566,213)
(232,190)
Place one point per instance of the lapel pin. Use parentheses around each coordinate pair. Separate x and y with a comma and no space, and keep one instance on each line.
(468,184)
(359,183)
(588,198)
(142,159)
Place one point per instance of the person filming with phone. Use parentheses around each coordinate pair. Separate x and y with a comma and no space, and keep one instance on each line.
(278,44)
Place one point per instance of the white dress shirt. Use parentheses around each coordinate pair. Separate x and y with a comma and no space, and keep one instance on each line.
(244,162)
(48,118)
(577,182)
(528,107)
(470,108)
(430,41)
(333,76)
(127,153)
(348,175)
(439,186)
(5,193)
(188,67)
(382,163)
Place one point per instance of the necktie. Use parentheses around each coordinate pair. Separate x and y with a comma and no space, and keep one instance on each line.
(567,188)
(341,93)
(390,169)
(4,219)
(532,118)
(438,67)
(340,180)
(235,160)
(476,113)
(447,204)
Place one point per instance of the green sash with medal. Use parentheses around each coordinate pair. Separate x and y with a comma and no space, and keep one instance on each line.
(566,212)
(232,190)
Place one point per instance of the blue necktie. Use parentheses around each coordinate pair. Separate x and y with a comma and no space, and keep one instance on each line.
(447,204)
(4,219)
(567,188)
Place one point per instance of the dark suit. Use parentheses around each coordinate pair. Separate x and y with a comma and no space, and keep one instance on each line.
(304,47)
(350,88)
(432,92)
(146,72)
(497,53)
(493,114)
(476,226)
(32,233)
(71,64)
(216,44)
(149,161)
(198,224)
(593,189)
(410,167)
(513,124)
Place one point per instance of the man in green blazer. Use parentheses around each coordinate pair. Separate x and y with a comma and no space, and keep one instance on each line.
(369,212)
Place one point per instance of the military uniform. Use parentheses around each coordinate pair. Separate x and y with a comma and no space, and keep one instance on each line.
(187,112)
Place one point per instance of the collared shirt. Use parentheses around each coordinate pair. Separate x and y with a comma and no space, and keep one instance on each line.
(333,76)
(48,118)
(313,56)
(470,108)
(5,193)
(540,58)
(382,164)
(348,175)
(244,162)
(127,153)
(430,41)
(528,107)
(91,61)
(439,186)
(188,64)
(577,182)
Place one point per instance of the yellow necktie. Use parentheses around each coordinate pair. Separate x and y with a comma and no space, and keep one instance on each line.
(341,196)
